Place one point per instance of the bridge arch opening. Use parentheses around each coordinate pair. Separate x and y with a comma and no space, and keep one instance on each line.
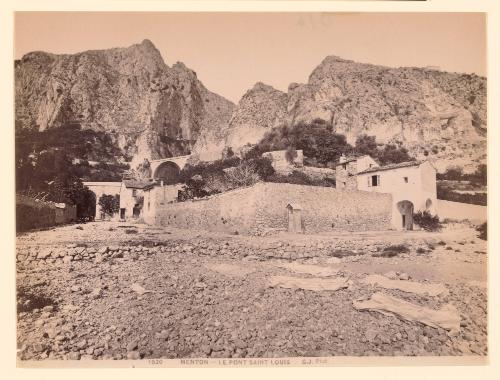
(168,172)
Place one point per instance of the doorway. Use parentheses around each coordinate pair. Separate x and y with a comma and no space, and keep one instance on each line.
(405,209)
(294,218)
(136,212)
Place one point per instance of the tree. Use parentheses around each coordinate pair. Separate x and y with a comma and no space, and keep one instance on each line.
(263,167)
(244,174)
(480,176)
(453,173)
(318,143)
(194,188)
(110,204)
(366,145)
(392,154)
(290,155)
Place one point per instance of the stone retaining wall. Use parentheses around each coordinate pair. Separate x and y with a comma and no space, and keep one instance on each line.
(32,214)
(261,209)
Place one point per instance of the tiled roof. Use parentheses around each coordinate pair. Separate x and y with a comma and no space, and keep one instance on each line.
(135,184)
(350,159)
(392,166)
(353,158)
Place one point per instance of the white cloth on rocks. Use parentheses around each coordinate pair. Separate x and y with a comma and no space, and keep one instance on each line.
(447,317)
(315,284)
(406,286)
(314,270)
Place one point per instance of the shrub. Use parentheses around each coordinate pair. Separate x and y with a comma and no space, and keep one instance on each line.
(340,253)
(427,221)
(194,188)
(263,167)
(483,231)
(392,250)
(300,178)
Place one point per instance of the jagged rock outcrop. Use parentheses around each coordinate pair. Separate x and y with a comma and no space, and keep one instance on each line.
(153,111)
(150,110)
(259,110)
(434,114)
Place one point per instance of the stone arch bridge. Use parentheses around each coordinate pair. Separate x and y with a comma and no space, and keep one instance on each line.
(168,169)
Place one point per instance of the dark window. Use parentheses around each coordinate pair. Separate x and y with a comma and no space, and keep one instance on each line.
(375,180)
(406,179)
(344,166)
(134,193)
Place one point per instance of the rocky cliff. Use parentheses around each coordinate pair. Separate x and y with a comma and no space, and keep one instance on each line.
(153,110)
(150,110)
(435,114)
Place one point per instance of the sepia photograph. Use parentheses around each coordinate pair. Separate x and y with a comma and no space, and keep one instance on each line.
(250,189)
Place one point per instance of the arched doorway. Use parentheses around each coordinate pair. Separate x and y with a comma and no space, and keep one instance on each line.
(168,172)
(405,209)
(294,218)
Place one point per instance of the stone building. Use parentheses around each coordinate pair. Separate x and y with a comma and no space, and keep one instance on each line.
(348,168)
(157,196)
(132,197)
(284,162)
(411,184)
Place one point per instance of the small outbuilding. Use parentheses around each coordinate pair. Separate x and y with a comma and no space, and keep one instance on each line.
(295,224)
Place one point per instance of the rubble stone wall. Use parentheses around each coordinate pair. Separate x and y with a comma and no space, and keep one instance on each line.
(31,214)
(228,212)
(261,209)
(323,208)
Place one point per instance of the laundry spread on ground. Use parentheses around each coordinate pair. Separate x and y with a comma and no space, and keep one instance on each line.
(447,317)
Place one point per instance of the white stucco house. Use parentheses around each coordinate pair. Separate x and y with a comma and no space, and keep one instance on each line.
(132,197)
(412,185)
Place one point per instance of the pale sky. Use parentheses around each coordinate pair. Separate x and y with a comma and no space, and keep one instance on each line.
(230,52)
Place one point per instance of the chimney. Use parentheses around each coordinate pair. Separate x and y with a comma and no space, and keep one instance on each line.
(342,158)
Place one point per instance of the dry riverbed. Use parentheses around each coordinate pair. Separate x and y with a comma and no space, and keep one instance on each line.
(124,291)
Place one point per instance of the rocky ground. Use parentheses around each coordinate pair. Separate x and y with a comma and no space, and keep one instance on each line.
(122,291)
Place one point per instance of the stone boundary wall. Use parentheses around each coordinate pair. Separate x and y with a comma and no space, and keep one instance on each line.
(461,211)
(228,212)
(319,173)
(32,214)
(323,208)
(261,209)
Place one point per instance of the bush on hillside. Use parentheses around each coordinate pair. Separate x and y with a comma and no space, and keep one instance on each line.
(300,178)
(384,154)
